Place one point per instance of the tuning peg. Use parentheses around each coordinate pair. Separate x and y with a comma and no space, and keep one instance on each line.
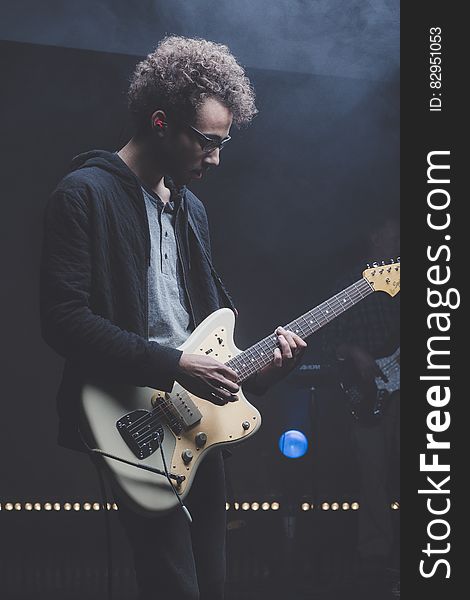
(368,265)
(375,264)
(398,259)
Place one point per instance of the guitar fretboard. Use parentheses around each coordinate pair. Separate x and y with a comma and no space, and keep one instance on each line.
(260,354)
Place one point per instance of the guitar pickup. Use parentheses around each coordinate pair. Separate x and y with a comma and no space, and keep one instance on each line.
(187,412)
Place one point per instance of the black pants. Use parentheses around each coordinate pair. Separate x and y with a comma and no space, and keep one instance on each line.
(178,560)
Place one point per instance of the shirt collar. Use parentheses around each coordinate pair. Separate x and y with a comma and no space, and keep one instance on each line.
(176,195)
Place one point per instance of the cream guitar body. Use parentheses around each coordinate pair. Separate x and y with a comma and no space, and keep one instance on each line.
(104,406)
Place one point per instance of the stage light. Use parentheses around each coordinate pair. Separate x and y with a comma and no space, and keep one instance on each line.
(293,443)
(395,505)
(246,505)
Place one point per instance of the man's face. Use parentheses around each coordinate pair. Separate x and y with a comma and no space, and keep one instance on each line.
(186,160)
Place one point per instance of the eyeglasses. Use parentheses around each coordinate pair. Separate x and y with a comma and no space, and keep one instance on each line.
(209,144)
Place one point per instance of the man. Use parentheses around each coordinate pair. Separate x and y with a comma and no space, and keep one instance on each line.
(370,331)
(127,275)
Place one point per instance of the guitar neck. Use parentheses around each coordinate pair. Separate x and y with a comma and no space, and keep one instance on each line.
(260,354)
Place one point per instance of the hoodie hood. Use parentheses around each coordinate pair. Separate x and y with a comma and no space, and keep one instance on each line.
(109,161)
(113,163)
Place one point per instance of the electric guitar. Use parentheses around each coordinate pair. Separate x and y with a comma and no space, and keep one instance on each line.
(152,441)
(369,404)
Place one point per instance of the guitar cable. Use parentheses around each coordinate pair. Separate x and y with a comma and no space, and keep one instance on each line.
(165,473)
(183,507)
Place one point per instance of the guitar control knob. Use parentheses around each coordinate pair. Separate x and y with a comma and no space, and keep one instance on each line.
(246,425)
(187,456)
(201,439)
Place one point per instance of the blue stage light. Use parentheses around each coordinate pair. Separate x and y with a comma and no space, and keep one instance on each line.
(293,443)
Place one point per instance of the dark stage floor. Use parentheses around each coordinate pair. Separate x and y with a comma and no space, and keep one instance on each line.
(62,556)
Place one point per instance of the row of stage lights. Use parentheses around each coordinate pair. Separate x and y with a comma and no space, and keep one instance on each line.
(305,506)
(57,506)
(95,506)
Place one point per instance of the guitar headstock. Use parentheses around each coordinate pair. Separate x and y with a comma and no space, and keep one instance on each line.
(384,277)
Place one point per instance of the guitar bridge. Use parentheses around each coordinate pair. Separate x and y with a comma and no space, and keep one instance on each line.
(142,432)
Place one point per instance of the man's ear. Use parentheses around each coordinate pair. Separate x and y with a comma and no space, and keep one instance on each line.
(158,121)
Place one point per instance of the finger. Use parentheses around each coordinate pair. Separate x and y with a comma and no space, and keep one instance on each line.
(219,376)
(217,400)
(223,386)
(298,348)
(227,372)
(285,348)
(277,357)
(292,338)
(299,341)
(221,392)
(221,382)
(209,392)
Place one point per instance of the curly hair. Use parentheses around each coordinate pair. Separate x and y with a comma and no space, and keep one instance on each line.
(181,73)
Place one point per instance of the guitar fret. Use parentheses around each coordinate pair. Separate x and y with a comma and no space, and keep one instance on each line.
(313,315)
(261,354)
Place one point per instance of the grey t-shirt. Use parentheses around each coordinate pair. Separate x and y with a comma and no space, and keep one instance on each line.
(170,321)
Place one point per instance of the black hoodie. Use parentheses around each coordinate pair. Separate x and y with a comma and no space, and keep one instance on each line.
(95,258)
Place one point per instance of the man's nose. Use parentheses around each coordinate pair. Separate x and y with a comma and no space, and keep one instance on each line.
(213,158)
